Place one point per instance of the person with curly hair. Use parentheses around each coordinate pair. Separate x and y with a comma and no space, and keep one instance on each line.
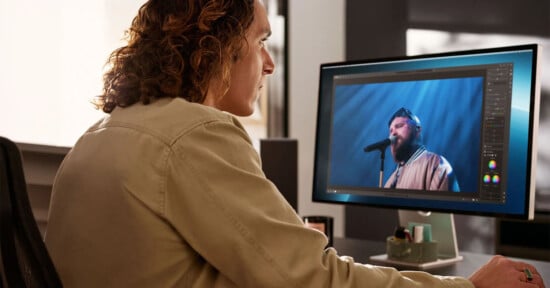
(167,189)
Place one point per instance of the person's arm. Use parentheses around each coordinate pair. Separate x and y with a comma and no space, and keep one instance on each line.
(224,207)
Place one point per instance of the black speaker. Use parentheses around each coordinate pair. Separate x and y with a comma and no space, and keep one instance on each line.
(280,165)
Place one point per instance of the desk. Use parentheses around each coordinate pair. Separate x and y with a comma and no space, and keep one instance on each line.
(361,250)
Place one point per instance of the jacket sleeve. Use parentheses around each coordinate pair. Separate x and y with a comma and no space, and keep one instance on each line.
(221,203)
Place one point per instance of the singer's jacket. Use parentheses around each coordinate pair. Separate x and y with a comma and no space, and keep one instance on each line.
(172,194)
(424,170)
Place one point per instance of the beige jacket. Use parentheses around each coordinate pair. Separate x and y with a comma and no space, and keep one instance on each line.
(172,194)
(424,171)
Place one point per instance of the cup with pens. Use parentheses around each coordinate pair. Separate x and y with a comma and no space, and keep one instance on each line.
(412,244)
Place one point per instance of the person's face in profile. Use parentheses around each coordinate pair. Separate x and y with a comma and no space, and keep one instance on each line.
(406,132)
(250,68)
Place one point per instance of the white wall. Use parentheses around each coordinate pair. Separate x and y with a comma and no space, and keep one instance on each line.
(52,56)
(316,35)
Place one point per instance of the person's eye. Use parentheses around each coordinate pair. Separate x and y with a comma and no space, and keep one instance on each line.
(263,42)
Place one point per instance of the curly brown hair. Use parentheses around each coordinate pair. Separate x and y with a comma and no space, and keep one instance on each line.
(175,47)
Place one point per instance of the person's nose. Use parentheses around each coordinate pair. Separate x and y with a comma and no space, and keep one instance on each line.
(269,65)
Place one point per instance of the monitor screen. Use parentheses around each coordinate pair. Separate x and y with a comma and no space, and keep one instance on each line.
(449,132)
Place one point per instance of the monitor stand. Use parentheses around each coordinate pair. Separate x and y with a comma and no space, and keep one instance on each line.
(443,231)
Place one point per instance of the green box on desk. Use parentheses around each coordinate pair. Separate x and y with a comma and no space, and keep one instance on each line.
(403,250)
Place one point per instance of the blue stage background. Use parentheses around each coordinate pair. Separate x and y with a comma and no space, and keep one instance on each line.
(450,113)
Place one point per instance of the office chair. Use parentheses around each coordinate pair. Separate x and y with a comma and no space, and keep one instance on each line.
(25,260)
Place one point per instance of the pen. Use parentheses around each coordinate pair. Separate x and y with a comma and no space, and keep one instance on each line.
(401,233)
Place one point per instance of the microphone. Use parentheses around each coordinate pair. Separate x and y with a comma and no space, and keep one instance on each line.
(380,144)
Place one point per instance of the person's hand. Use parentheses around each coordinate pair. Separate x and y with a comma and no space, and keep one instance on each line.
(502,272)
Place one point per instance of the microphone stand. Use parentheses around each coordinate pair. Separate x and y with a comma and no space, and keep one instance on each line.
(382,157)
(382,145)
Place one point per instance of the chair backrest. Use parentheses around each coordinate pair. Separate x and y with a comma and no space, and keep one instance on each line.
(25,259)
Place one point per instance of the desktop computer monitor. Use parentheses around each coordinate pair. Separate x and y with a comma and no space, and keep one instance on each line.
(448,133)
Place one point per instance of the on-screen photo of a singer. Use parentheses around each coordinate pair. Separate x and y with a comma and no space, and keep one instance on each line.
(416,166)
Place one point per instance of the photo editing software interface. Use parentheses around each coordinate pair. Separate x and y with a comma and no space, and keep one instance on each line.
(449,132)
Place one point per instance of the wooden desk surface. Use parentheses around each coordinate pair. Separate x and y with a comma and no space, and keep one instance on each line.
(361,250)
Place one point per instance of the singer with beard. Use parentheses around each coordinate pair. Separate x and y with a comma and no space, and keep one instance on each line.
(417,168)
